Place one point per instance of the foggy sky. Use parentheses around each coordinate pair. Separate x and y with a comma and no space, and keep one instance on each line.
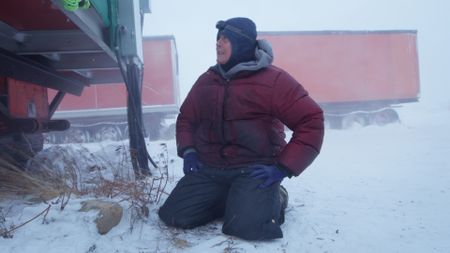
(193,25)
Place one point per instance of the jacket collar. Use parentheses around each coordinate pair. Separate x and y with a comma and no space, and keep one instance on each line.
(263,55)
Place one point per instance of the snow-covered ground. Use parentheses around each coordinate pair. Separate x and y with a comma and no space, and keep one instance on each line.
(373,189)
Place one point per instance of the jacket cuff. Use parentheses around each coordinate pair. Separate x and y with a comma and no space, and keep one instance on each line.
(285,169)
(189,150)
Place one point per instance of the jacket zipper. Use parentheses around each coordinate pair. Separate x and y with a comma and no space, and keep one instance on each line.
(222,124)
(225,97)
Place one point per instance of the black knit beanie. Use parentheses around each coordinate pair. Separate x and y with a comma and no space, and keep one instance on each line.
(242,35)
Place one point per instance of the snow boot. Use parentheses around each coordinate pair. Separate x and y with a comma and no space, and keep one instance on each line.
(284,199)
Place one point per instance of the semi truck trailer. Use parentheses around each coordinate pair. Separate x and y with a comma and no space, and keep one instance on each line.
(100,113)
(357,77)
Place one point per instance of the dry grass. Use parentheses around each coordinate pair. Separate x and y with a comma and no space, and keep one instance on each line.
(14,182)
(62,176)
(138,193)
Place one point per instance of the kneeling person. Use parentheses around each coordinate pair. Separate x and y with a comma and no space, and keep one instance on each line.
(230,133)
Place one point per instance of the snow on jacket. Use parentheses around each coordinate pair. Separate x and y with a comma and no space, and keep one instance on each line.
(236,118)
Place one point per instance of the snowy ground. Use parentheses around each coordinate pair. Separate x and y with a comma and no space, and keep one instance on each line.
(373,189)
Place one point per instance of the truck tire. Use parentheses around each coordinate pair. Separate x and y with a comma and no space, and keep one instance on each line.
(385,117)
(168,133)
(153,125)
(31,144)
(21,148)
(50,138)
(76,135)
(355,120)
(108,133)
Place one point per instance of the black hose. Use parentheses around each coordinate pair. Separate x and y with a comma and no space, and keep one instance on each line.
(132,75)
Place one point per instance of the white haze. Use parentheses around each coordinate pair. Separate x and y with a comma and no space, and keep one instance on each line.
(373,189)
(192,23)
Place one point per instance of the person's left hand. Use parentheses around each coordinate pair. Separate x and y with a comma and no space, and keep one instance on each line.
(269,173)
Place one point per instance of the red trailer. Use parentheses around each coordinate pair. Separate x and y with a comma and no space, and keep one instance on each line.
(100,113)
(356,76)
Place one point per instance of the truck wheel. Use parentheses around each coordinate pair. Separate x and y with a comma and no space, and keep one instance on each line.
(76,135)
(110,133)
(385,117)
(50,138)
(168,133)
(21,147)
(353,121)
(31,143)
(333,121)
(153,125)
(153,133)
(125,133)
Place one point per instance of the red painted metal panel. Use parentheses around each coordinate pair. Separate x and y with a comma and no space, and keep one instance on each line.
(157,87)
(37,15)
(27,100)
(111,95)
(71,102)
(349,67)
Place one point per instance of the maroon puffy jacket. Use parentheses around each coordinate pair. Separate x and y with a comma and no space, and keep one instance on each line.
(240,122)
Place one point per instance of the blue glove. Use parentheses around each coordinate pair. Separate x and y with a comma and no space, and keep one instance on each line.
(190,163)
(269,173)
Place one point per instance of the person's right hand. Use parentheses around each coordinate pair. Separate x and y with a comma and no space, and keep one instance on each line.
(190,163)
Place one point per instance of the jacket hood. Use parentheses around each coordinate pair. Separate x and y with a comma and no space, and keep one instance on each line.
(263,58)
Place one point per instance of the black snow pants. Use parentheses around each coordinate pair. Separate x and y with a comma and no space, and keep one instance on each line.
(249,212)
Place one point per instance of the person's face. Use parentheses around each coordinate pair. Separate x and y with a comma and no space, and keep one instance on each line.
(223,50)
